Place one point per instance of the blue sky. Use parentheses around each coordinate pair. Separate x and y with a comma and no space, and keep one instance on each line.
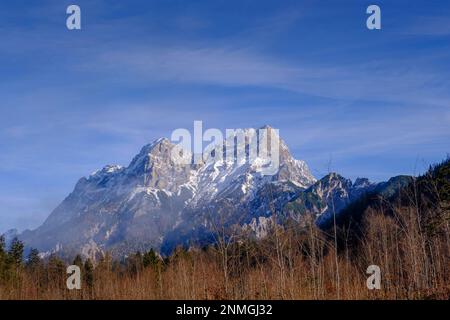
(359,102)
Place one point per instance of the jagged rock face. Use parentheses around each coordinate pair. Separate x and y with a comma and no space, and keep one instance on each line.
(332,196)
(154,167)
(328,197)
(156,202)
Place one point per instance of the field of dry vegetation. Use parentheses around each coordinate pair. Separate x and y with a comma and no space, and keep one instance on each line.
(408,238)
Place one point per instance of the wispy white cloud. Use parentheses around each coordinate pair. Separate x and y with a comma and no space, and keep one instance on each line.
(404,81)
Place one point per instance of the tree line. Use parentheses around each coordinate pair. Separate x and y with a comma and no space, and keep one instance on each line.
(407,236)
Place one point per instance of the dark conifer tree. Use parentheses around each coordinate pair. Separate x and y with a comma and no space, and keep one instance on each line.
(88,273)
(33,260)
(150,259)
(15,253)
(78,261)
(56,271)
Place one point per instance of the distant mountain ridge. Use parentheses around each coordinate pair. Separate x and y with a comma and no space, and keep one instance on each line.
(333,194)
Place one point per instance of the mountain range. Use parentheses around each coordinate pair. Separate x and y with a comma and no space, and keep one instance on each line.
(158,203)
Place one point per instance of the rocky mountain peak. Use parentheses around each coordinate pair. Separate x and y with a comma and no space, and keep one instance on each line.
(361,183)
(105,171)
(155,199)
(154,166)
